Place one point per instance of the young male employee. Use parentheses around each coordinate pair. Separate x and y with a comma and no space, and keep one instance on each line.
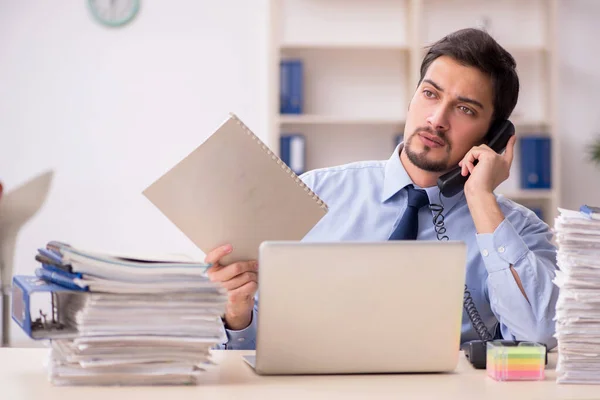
(467,82)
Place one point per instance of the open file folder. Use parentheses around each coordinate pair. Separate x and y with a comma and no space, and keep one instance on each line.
(41,309)
(46,324)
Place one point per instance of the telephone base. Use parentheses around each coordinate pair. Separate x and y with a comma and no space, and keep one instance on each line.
(476,351)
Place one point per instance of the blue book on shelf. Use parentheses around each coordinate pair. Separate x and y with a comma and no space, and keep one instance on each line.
(398,139)
(291,87)
(536,167)
(293,151)
(538,211)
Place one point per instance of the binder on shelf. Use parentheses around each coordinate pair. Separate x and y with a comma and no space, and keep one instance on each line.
(291,76)
(536,165)
(293,152)
(538,211)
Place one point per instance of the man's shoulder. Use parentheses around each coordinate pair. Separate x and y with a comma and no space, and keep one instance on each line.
(329,182)
(349,169)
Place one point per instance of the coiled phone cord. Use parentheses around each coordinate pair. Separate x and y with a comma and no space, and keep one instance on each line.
(469,304)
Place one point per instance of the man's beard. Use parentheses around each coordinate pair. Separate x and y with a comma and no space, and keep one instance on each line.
(420,159)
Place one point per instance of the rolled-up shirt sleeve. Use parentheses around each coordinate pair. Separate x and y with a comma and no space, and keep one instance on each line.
(533,256)
(244,339)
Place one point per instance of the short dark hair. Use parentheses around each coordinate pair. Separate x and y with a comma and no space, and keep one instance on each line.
(476,48)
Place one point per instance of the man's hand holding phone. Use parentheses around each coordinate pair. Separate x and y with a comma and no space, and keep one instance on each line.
(491,170)
(240,279)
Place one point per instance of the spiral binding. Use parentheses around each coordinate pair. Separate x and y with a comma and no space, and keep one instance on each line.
(469,304)
(283,165)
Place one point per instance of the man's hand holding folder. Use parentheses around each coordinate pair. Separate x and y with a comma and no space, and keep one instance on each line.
(240,279)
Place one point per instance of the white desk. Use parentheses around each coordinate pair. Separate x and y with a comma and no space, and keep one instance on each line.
(23,377)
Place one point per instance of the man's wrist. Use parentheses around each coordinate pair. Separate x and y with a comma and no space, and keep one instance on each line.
(485,211)
(476,193)
(237,321)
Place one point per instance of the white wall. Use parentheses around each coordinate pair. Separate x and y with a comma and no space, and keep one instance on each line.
(112,109)
(578,105)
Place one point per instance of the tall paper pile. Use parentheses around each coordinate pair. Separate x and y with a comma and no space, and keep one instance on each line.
(578,306)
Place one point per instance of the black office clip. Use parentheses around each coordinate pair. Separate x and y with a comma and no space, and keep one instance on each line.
(476,351)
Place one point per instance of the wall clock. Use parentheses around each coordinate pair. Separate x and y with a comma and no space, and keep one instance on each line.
(114,12)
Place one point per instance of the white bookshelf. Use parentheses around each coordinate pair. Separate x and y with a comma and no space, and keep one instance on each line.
(314,119)
(361,64)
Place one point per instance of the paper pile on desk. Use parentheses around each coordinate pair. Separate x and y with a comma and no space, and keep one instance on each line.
(578,306)
(139,322)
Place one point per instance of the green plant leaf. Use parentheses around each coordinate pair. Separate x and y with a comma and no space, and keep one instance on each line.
(595,151)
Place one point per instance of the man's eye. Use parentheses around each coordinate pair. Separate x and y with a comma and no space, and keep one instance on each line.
(428,93)
(466,110)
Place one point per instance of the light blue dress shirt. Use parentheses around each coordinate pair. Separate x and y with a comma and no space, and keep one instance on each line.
(366,201)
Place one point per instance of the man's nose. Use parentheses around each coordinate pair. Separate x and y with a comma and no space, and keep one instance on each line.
(438,119)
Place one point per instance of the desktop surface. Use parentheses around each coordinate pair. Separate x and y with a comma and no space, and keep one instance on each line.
(24,377)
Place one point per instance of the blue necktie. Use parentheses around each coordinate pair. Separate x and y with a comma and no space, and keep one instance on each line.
(409,224)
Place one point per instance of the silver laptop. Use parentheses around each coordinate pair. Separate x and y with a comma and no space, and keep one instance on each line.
(359,307)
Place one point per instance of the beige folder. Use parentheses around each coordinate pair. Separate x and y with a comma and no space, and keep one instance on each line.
(234,189)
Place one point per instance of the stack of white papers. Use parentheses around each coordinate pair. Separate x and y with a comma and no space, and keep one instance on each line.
(136,338)
(138,321)
(578,306)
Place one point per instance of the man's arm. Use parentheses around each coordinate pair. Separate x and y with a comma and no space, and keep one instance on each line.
(479,192)
(521,267)
(244,339)
(487,217)
(521,263)
(241,319)
(240,279)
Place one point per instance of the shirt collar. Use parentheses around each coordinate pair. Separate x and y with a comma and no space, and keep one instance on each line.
(396,178)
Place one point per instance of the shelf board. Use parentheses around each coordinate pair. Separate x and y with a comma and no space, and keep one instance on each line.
(312,119)
(344,46)
(528,49)
(529,194)
(529,122)
(512,49)
(525,127)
